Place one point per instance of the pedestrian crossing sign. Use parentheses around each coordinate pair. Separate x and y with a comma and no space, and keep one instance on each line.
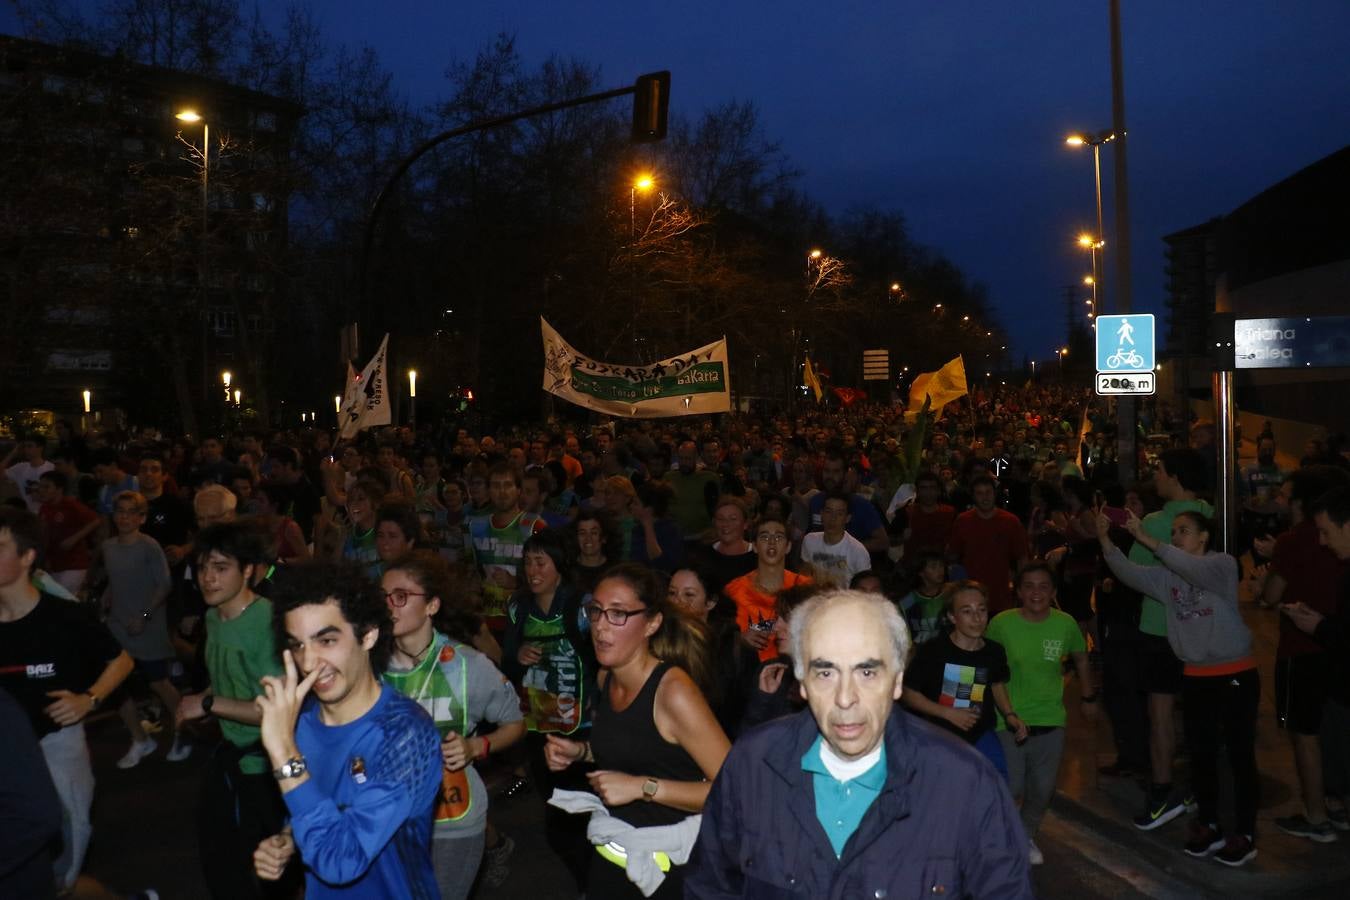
(1125,343)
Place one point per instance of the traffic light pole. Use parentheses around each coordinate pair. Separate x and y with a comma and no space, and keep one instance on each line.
(651,99)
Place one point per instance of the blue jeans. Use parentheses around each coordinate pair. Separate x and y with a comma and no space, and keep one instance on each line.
(988,745)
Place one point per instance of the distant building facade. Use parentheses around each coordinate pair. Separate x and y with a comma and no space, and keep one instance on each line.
(123,277)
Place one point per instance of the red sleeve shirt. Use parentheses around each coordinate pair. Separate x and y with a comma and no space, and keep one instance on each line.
(1311,573)
(61,520)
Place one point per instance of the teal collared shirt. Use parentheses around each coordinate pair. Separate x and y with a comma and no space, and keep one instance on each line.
(840,805)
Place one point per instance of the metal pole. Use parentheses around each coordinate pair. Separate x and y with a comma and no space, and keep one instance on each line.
(206,172)
(1126,446)
(1225,488)
(1096,276)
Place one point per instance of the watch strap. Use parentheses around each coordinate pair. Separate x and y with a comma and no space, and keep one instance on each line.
(291,768)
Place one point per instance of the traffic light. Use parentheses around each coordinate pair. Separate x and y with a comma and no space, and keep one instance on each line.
(651,103)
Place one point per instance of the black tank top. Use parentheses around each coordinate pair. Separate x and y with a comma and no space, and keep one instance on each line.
(628,741)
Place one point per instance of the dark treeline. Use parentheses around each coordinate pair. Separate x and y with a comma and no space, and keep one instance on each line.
(491,231)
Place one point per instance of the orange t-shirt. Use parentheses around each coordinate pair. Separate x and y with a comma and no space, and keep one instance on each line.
(755,608)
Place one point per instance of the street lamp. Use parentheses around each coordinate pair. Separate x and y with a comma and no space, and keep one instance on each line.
(225,380)
(1061,353)
(191,116)
(238,396)
(1095,142)
(88,397)
(412,397)
(1092,245)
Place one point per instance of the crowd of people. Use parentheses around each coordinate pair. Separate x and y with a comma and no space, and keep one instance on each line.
(728,654)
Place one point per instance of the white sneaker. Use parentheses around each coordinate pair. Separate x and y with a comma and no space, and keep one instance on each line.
(1034,854)
(180,750)
(137,753)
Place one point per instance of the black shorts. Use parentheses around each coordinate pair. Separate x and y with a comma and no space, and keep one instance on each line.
(1301,686)
(1159,668)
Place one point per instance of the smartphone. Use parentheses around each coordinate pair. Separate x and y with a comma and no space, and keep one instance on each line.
(1116,515)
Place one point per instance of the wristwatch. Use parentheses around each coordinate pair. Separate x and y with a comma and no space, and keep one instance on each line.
(649,789)
(291,768)
(94,700)
(207,702)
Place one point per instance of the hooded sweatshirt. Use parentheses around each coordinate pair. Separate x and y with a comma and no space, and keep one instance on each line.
(1204,626)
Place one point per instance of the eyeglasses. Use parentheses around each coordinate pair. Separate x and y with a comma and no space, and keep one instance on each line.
(771,538)
(399,597)
(614,615)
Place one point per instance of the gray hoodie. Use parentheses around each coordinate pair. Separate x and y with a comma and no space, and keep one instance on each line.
(1204,626)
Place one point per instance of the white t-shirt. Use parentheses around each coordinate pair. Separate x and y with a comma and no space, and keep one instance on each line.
(26,475)
(835,564)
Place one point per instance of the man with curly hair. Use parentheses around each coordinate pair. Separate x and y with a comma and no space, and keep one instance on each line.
(358,764)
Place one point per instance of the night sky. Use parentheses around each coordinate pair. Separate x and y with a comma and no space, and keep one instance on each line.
(953,111)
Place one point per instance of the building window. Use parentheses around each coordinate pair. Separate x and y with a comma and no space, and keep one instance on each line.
(222,322)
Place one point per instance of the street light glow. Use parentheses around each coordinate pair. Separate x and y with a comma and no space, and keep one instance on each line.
(412,382)
(1088,279)
(87,398)
(1085,240)
(337,403)
(816,253)
(225,378)
(644,182)
(188,115)
(238,395)
(1075,140)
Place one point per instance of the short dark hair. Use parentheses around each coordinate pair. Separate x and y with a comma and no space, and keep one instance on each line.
(360,600)
(26,529)
(841,497)
(1031,566)
(241,541)
(982,480)
(1310,483)
(402,514)
(1201,521)
(57,478)
(552,542)
(1335,505)
(504,468)
(927,476)
(284,455)
(1185,465)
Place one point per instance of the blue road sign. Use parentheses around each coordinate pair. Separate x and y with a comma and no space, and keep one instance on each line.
(1125,343)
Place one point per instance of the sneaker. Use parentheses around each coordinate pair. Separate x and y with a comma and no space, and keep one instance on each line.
(495,868)
(1203,840)
(1299,826)
(180,750)
(1189,802)
(1339,819)
(137,753)
(1159,813)
(1237,851)
(1034,854)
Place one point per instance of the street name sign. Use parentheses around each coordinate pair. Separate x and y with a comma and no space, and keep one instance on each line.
(1292,343)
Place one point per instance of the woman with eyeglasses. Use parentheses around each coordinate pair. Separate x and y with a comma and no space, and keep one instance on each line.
(547,654)
(654,741)
(754,593)
(434,664)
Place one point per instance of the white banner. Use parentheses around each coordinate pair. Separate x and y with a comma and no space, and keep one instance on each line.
(690,384)
(366,401)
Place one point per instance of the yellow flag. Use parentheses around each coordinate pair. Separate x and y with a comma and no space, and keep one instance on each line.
(809,376)
(942,387)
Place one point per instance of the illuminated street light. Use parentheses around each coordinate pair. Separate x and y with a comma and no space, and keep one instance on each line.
(644,183)
(816,253)
(225,378)
(412,397)
(191,116)
(337,403)
(238,396)
(88,397)
(1088,279)
(1095,142)
(412,382)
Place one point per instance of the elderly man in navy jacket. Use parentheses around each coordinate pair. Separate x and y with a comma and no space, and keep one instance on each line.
(855,798)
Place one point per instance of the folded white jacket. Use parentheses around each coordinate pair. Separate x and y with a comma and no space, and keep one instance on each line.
(676,841)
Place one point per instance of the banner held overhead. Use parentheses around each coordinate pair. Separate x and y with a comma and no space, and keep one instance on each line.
(690,384)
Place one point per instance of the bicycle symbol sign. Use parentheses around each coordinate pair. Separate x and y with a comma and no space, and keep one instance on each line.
(1125,343)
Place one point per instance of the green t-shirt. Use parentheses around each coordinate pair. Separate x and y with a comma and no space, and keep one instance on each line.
(239,652)
(1158,525)
(1036,653)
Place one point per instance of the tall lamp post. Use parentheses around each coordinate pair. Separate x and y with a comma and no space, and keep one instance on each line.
(1092,245)
(1095,142)
(191,116)
(643,183)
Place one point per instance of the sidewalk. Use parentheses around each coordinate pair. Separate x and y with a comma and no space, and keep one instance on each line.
(1285,866)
